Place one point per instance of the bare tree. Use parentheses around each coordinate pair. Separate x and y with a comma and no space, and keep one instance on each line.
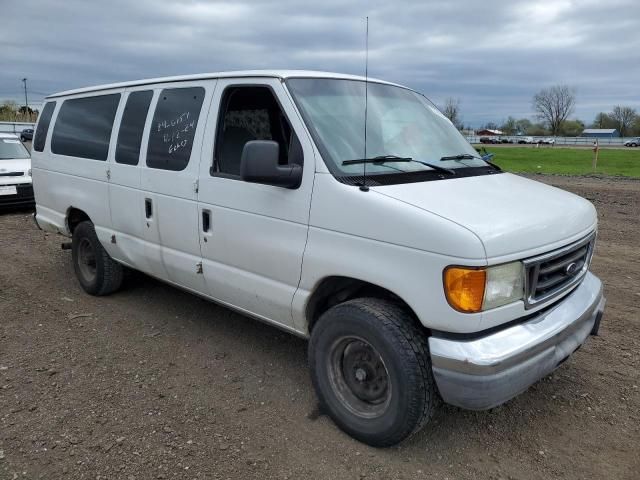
(451,110)
(553,105)
(603,120)
(509,127)
(623,118)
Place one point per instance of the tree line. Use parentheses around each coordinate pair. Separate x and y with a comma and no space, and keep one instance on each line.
(10,112)
(552,108)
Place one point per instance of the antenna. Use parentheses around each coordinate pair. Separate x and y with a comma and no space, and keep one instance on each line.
(364,187)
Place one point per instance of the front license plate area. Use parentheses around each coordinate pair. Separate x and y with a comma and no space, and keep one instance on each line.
(8,190)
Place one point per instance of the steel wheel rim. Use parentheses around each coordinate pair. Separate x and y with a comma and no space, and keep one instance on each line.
(359,377)
(87,260)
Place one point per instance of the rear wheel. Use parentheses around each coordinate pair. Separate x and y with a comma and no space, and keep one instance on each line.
(371,369)
(97,272)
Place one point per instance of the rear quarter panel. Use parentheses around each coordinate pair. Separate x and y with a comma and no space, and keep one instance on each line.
(61,182)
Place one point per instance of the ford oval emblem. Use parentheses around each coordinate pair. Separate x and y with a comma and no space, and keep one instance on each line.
(571,268)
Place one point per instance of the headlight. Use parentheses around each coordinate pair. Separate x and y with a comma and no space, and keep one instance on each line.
(29,172)
(505,284)
(476,289)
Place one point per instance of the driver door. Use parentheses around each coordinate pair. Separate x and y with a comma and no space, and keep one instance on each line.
(252,235)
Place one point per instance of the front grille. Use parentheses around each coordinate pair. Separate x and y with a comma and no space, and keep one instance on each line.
(24,196)
(12,174)
(549,275)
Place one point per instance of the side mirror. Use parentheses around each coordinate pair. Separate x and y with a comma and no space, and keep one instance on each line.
(259,164)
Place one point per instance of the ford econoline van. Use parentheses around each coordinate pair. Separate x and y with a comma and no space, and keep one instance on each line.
(345,210)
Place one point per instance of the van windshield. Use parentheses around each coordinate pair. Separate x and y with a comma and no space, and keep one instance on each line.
(400,123)
(11,149)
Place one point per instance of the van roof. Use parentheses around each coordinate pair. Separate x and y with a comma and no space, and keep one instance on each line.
(233,74)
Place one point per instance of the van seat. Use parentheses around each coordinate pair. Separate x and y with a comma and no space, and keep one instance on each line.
(234,140)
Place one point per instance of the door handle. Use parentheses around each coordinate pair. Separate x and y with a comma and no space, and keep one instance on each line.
(206,220)
(148,207)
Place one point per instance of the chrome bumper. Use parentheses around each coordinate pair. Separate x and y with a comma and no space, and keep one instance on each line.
(485,372)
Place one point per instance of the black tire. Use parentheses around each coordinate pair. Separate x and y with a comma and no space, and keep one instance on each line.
(97,272)
(409,396)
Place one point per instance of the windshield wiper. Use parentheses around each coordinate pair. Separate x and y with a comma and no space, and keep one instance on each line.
(462,156)
(395,158)
(468,156)
(379,159)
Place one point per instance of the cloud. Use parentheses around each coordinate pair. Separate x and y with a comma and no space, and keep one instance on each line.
(493,55)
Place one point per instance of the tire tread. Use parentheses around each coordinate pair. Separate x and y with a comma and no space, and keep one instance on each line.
(112,272)
(416,343)
(410,339)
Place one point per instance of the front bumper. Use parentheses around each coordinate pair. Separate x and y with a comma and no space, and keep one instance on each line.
(23,198)
(485,372)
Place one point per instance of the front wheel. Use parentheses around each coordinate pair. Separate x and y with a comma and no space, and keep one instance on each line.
(371,370)
(97,272)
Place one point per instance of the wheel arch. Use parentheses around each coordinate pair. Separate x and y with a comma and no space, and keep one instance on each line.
(336,289)
(74,217)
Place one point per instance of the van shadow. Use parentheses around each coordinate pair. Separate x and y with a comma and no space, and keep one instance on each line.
(208,319)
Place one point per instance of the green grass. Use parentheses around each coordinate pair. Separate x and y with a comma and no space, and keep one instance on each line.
(567,161)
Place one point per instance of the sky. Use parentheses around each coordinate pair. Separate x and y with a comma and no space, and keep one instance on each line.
(491,55)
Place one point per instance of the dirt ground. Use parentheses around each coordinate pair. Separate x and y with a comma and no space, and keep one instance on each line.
(154,383)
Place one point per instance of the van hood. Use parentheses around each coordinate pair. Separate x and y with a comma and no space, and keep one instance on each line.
(21,165)
(509,214)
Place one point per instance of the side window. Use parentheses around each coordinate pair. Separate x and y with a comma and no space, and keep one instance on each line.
(174,127)
(132,127)
(83,127)
(43,126)
(246,114)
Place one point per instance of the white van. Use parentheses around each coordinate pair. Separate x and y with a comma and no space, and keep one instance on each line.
(419,271)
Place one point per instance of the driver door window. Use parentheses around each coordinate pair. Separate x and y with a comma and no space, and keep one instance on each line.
(251,113)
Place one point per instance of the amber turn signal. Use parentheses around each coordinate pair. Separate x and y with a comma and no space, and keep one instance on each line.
(464,288)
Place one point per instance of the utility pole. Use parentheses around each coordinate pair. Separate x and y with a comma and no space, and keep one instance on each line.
(26,101)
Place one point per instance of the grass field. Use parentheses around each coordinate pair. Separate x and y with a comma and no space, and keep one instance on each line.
(567,161)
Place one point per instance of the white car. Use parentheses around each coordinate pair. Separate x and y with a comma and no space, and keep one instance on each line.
(634,142)
(417,270)
(15,173)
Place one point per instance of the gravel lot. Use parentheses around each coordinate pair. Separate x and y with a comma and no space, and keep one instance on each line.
(155,383)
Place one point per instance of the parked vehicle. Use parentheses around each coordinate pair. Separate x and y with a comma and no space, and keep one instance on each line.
(547,141)
(491,140)
(15,173)
(26,134)
(418,271)
(634,142)
(506,140)
(525,140)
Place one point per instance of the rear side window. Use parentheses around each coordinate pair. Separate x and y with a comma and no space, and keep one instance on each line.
(83,127)
(43,126)
(174,127)
(132,127)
